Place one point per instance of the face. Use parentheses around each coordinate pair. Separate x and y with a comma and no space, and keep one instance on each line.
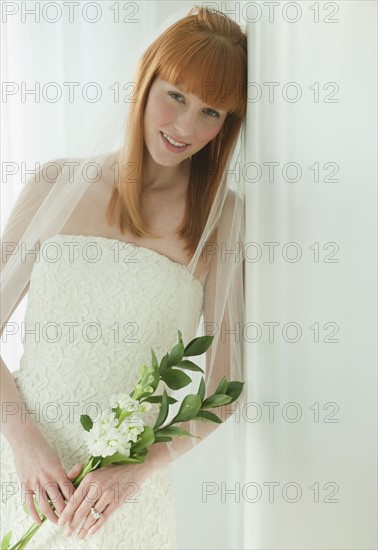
(187,122)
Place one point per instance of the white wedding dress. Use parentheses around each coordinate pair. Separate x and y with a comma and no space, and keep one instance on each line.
(95,308)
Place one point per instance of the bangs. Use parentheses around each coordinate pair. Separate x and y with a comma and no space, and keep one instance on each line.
(209,69)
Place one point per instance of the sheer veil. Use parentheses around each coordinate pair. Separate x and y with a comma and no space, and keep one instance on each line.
(47,202)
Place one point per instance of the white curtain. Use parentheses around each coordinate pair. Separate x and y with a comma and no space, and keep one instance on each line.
(311,249)
(311,274)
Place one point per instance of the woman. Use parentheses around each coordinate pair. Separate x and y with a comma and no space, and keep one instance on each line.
(164,192)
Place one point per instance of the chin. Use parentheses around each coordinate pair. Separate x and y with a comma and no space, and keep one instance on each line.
(169,163)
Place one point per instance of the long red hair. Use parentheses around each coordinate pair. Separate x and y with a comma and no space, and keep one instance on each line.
(206,52)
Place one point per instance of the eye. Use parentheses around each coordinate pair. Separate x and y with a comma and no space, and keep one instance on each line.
(212,113)
(175,95)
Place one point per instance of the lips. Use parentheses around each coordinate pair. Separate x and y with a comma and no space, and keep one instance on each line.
(171,147)
(174,139)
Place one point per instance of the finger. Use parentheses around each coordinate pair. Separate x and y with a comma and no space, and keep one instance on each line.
(95,524)
(79,518)
(55,496)
(91,493)
(66,488)
(73,503)
(75,470)
(90,520)
(32,509)
(45,506)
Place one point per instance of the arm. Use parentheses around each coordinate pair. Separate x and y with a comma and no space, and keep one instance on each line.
(35,462)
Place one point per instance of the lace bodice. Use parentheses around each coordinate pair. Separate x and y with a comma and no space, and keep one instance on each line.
(95,308)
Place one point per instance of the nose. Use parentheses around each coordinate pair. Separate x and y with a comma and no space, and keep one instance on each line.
(184,125)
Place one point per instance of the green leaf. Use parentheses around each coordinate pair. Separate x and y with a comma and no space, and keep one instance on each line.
(208,416)
(163,364)
(179,335)
(96,461)
(162,438)
(216,400)
(157,399)
(222,386)
(175,432)
(116,457)
(189,408)
(156,376)
(5,541)
(119,458)
(202,389)
(176,354)
(154,361)
(86,422)
(175,379)
(234,389)
(146,438)
(198,346)
(117,411)
(164,409)
(189,365)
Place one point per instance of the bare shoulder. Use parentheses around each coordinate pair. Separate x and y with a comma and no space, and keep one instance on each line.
(51,170)
(95,167)
(231,199)
(47,174)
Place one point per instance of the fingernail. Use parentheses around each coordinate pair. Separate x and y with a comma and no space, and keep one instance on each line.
(61,521)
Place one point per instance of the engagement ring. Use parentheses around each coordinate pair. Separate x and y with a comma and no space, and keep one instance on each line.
(95,514)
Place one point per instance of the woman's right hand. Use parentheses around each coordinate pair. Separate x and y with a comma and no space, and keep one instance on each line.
(40,471)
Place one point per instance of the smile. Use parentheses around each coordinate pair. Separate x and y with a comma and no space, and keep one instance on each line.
(173,142)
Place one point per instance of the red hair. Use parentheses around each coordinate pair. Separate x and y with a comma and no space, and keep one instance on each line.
(206,54)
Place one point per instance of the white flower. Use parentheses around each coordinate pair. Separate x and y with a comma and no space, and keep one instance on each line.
(132,427)
(105,438)
(125,402)
(107,420)
(107,442)
(117,441)
(101,435)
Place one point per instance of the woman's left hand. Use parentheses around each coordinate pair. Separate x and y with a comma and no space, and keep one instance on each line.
(106,489)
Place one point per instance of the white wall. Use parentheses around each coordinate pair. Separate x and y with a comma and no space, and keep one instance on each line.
(310,478)
(330,297)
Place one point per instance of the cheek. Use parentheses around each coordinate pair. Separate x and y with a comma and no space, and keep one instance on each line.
(166,112)
(159,111)
(207,134)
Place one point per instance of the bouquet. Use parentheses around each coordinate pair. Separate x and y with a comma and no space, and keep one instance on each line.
(120,435)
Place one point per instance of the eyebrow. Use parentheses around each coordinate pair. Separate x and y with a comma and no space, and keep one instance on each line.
(206,104)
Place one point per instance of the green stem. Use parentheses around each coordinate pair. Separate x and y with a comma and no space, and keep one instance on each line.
(85,470)
(28,535)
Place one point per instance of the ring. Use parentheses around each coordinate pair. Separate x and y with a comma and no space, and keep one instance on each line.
(95,513)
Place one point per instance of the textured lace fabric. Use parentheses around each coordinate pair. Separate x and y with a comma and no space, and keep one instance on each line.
(95,308)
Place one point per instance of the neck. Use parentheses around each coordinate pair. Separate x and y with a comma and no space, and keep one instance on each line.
(165,178)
